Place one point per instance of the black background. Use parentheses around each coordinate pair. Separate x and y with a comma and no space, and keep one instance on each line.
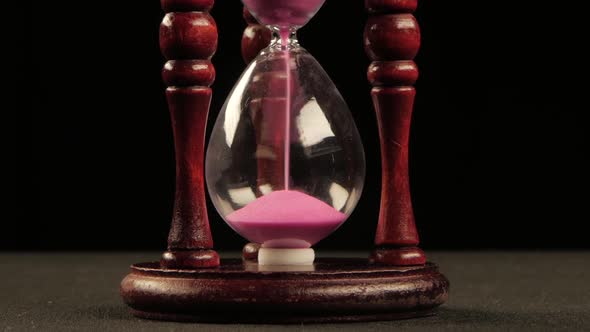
(498,146)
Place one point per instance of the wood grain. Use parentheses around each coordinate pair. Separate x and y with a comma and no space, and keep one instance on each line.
(334,290)
(188,40)
(392,40)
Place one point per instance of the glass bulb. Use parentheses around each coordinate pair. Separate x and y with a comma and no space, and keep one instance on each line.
(285,166)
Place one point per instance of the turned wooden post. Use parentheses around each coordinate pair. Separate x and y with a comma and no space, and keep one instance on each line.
(188,40)
(255,38)
(392,40)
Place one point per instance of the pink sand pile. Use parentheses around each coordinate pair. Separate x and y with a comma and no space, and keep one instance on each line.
(286,219)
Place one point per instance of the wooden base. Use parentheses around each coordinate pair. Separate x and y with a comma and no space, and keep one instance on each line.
(332,290)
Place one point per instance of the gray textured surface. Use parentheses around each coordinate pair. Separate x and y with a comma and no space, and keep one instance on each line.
(512,291)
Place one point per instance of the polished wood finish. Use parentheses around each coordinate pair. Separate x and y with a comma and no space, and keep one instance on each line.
(182,73)
(333,290)
(250,251)
(392,40)
(188,40)
(255,38)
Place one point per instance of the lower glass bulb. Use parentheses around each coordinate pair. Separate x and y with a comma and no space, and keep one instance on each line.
(285,165)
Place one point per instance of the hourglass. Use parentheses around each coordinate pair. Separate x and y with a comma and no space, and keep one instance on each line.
(285,165)
(285,168)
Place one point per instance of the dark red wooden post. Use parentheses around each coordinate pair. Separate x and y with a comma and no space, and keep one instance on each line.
(392,40)
(188,40)
(255,38)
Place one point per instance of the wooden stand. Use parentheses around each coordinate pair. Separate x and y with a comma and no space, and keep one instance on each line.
(334,290)
(190,283)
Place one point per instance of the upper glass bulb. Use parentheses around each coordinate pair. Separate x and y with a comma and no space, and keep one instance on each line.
(285,166)
(283,13)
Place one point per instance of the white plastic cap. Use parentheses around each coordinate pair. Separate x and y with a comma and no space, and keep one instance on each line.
(286,256)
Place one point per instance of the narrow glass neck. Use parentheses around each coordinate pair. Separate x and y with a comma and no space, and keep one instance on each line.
(284,38)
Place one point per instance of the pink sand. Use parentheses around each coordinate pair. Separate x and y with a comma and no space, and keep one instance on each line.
(286,219)
(283,13)
(284,40)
